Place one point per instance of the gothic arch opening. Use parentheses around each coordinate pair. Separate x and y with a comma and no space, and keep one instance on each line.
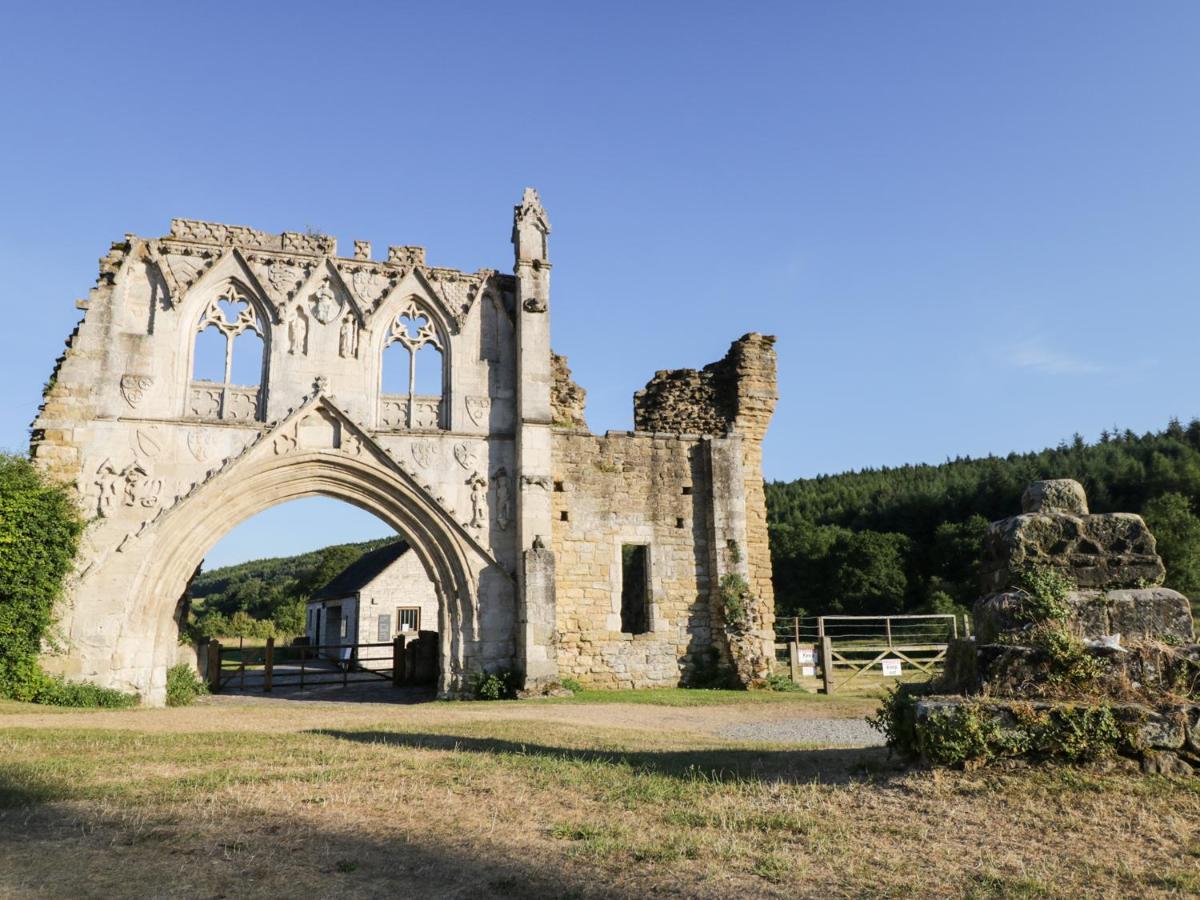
(177,545)
(330,586)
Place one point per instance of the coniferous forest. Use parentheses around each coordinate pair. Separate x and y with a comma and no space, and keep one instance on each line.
(907,539)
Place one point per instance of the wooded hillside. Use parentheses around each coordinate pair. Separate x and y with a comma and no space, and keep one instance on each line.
(907,538)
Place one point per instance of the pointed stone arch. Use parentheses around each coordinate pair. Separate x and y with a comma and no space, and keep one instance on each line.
(317,451)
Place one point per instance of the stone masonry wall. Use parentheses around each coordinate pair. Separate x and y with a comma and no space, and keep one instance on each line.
(630,489)
(736,394)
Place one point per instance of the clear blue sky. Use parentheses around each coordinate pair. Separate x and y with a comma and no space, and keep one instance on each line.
(973,226)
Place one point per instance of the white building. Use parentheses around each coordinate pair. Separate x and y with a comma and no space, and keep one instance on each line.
(384,594)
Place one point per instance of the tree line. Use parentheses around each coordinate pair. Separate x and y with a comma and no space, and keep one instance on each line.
(907,539)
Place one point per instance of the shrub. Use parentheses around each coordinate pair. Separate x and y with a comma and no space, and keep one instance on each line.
(958,736)
(733,590)
(39,533)
(183,686)
(896,720)
(56,691)
(783,683)
(1046,591)
(572,684)
(494,685)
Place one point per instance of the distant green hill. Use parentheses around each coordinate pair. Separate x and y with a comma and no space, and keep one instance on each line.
(272,590)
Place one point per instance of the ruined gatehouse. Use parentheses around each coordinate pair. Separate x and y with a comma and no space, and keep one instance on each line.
(631,559)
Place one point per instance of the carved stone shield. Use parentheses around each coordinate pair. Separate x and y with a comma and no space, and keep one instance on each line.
(478,408)
(201,444)
(423,453)
(134,387)
(466,455)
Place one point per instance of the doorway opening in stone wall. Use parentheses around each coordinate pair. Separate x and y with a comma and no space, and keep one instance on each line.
(315,599)
(635,588)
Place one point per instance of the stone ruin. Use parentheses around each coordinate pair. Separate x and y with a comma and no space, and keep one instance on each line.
(1134,640)
(521,517)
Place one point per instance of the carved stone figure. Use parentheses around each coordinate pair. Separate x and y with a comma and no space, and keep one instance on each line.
(479,487)
(503,498)
(140,489)
(348,338)
(297,333)
(325,304)
(107,480)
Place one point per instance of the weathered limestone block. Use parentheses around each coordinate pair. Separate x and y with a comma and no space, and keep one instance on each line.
(1112,550)
(1149,614)
(1137,615)
(1055,495)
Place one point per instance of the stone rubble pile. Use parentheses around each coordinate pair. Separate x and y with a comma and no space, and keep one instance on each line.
(1140,661)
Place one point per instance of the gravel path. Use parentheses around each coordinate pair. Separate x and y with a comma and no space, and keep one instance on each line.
(830,732)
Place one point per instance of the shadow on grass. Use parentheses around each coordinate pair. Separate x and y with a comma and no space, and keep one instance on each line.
(55,849)
(801,765)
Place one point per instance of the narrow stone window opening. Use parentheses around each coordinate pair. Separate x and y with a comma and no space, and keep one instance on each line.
(558,487)
(678,522)
(564,516)
(635,594)
(687,490)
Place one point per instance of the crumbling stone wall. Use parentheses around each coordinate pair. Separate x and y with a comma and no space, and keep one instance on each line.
(566,397)
(630,489)
(687,482)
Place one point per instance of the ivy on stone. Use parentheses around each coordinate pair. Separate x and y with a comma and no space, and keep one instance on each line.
(40,528)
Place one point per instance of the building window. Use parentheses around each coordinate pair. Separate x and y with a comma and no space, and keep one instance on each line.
(635,605)
(414,381)
(227,358)
(408,618)
(385,627)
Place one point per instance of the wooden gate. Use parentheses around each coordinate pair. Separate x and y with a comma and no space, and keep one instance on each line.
(264,668)
(846,648)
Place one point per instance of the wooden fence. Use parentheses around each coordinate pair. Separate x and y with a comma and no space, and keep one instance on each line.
(304,665)
(846,648)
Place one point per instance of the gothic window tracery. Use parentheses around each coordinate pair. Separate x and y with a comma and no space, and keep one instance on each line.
(414,374)
(227,359)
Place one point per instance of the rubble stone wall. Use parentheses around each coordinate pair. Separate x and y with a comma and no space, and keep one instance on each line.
(630,489)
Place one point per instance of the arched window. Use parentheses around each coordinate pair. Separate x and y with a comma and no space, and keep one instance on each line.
(414,379)
(227,359)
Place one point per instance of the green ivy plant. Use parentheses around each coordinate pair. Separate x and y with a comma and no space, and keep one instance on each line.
(40,528)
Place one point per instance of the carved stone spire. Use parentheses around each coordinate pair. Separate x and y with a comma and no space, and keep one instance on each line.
(530,228)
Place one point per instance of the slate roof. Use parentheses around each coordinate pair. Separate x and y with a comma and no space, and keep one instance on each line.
(358,575)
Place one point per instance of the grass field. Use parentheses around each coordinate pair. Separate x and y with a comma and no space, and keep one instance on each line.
(588,797)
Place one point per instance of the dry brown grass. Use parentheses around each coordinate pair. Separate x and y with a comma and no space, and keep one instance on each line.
(477,800)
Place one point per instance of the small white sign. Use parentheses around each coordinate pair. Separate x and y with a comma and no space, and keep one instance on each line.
(808,671)
(806,656)
(891,668)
